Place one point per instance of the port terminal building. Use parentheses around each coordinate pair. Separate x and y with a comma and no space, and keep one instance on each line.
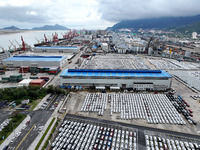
(42,61)
(152,80)
(56,49)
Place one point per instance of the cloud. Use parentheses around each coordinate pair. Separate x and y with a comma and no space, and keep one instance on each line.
(76,13)
(22,14)
(117,10)
(90,13)
(32,13)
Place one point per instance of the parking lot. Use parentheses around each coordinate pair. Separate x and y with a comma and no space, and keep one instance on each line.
(4,115)
(77,132)
(76,102)
(170,64)
(115,61)
(163,141)
(155,108)
(191,78)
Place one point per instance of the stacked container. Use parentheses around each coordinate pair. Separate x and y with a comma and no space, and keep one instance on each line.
(37,82)
(2,72)
(24,69)
(45,78)
(33,77)
(5,79)
(45,69)
(54,71)
(16,78)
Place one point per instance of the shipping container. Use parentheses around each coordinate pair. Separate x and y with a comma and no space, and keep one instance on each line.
(6,78)
(37,82)
(33,77)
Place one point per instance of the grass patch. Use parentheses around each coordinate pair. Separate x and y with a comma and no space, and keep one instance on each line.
(34,104)
(42,138)
(52,131)
(16,120)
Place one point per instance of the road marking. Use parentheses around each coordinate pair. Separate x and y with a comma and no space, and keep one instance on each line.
(25,137)
(51,102)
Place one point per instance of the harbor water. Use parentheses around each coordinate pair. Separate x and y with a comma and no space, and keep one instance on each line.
(30,38)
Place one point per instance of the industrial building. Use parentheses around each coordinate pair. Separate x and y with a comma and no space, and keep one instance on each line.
(56,49)
(153,80)
(4,55)
(42,61)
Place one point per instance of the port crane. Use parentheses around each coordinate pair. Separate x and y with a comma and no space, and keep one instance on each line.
(37,40)
(55,37)
(13,45)
(23,44)
(45,39)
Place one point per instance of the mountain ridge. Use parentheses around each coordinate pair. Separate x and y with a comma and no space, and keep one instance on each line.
(159,23)
(50,27)
(45,27)
(10,28)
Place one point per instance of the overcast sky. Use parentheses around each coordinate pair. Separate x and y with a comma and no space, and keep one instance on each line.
(89,14)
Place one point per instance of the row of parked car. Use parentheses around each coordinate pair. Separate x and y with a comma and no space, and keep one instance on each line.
(181,106)
(155,108)
(4,124)
(95,102)
(78,135)
(154,142)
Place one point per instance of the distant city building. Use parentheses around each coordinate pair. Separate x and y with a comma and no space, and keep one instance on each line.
(4,55)
(194,35)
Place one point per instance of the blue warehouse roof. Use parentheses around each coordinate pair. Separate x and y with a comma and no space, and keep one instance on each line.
(35,58)
(114,73)
(55,47)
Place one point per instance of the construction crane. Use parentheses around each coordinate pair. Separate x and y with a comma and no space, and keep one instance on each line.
(23,44)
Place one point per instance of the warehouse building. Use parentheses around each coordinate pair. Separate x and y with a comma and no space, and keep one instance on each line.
(41,61)
(153,80)
(56,49)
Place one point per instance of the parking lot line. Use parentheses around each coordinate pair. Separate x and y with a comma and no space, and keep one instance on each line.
(25,137)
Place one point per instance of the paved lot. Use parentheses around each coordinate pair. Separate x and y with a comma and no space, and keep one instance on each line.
(75,102)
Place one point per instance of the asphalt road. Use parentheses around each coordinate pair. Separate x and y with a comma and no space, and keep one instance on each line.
(38,119)
(28,134)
